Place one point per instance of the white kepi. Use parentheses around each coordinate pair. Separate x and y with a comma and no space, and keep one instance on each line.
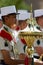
(8,10)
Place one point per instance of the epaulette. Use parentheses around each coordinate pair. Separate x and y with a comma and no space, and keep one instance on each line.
(5,34)
(6,29)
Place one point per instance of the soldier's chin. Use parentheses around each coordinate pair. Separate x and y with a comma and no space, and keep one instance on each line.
(13,26)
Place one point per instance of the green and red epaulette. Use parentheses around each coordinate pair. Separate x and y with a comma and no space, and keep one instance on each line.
(5,34)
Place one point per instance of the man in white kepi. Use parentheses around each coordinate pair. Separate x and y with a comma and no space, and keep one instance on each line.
(22,20)
(38,14)
(38,44)
(9,20)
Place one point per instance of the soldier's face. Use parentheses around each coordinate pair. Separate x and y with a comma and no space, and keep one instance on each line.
(10,20)
(22,24)
(40,21)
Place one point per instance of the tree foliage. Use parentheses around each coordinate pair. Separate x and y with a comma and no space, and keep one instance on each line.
(20,4)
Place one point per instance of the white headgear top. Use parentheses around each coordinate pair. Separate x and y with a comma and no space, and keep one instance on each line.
(38,12)
(8,10)
(24,14)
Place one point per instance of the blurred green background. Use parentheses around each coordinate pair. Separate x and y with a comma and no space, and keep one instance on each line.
(20,4)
